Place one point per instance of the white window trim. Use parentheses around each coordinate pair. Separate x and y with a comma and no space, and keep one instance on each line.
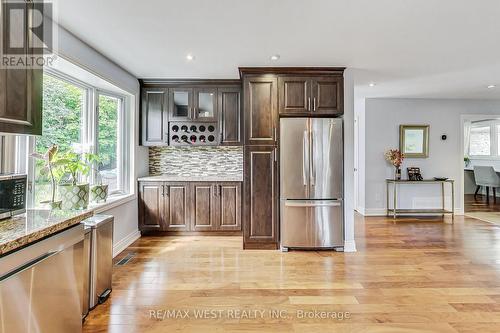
(88,136)
(494,144)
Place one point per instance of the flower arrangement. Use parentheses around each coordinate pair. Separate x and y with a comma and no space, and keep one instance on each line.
(395,157)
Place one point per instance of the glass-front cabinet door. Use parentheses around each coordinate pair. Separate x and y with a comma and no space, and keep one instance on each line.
(205,104)
(181,104)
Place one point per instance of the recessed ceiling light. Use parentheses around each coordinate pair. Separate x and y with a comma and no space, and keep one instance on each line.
(491,86)
(190,57)
(372,84)
(275,57)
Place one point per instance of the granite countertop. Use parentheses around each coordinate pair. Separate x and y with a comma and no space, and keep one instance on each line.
(191,178)
(34,225)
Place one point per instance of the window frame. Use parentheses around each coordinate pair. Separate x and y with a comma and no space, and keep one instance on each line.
(89,135)
(494,139)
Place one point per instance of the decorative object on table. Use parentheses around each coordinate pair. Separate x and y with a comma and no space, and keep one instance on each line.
(99,191)
(414,140)
(49,169)
(75,164)
(441,178)
(466,161)
(414,174)
(395,157)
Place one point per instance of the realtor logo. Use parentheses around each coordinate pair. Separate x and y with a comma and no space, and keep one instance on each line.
(28,35)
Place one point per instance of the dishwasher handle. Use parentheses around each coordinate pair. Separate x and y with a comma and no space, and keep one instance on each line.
(28,265)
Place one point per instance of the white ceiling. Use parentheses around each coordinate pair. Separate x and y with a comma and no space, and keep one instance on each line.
(410,48)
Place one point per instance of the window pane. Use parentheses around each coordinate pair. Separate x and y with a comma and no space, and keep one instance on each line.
(480,141)
(63,104)
(107,142)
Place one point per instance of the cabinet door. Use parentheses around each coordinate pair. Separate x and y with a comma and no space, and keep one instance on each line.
(230,116)
(229,214)
(205,104)
(151,205)
(328,95)
(181,104)
(261,197)
(294,95)
(261,116)
(20,89)
(204,200)
(176,208)
(154,118)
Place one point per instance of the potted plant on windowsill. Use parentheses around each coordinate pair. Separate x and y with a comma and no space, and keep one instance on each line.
(75,195)
(99,191)
(50,169)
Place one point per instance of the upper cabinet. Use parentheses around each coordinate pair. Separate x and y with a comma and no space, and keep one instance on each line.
(20,89)
(181,104)
(261,106)
(172,104)
(154,117)
(309,96)
(229,105)
(205,104)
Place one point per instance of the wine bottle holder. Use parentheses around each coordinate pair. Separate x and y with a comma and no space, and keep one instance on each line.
(193,134)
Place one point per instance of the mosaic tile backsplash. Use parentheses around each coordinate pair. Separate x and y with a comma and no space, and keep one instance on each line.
(196,161)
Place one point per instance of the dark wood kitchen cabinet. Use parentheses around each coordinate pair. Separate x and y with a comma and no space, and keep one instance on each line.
(176,207)
(260,109)
(21,89)
(229,105)
(260,229)
(190,206)
(154,117)
(204,206)
(311,96)
(151,206)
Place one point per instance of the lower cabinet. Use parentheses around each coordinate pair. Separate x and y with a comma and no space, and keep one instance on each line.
(260,198)
(189,206)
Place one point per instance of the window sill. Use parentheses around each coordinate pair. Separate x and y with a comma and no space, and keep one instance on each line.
(112,202)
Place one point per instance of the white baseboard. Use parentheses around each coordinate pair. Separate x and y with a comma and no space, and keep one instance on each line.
(375,212)
(361,210)
(350,246)
(125,242)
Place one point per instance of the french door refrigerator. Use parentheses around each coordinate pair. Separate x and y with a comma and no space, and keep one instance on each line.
(311,183)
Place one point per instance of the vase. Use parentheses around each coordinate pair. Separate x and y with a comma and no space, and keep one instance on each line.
(74,197)
(99,193)
(397,174)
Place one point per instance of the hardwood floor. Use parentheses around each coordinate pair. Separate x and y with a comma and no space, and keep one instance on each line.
(415,275)
(479,204)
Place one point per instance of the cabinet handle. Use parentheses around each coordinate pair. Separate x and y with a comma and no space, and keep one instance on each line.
(275,154)
(275,135)
(163,190)
(215,189)
(309,104)
(220,190)
(314,104)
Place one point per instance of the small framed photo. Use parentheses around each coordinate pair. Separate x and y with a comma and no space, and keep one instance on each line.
(414,140)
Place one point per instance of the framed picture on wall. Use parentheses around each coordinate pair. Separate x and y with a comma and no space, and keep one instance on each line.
(414,140)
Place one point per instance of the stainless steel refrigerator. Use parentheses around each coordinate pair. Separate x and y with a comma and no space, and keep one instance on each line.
(311,183)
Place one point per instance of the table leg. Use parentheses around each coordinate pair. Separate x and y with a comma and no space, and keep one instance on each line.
(452,202)
(387,197)
(395,200)
(442,198)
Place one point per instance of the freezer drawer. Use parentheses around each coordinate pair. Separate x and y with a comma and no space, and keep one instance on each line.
(312,223)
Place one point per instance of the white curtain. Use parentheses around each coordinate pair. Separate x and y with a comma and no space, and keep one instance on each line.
(467,126)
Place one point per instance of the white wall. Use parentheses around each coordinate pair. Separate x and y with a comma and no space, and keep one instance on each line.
(383,117)
(349,243)
(76,51)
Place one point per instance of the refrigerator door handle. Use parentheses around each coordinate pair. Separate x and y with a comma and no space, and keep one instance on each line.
(313,204)
(313,167)
(305,156)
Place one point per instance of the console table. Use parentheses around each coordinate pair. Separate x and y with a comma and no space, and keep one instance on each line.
(395,211)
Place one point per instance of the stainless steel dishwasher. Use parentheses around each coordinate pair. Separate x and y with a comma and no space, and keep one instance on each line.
(41,285)
(101,258)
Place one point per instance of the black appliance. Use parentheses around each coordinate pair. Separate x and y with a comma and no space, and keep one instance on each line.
(12,195)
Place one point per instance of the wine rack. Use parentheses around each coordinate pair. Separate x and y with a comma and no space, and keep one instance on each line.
(182,133)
